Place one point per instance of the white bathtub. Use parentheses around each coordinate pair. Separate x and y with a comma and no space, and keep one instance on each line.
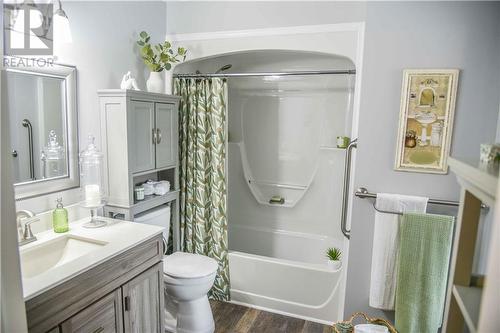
(284,272)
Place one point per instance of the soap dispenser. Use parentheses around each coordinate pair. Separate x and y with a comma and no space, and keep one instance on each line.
(60,217)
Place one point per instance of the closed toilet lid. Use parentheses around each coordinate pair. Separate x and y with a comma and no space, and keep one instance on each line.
(188,265)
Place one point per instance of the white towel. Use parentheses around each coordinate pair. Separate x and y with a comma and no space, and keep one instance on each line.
(385,246)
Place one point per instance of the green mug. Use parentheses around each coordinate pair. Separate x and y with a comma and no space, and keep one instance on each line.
(343,141)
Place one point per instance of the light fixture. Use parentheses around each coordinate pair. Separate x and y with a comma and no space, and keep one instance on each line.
(62,31)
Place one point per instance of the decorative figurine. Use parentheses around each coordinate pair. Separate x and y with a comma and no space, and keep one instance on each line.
(128,82)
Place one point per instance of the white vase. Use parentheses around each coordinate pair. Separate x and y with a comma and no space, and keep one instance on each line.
(334,264)
(155,83)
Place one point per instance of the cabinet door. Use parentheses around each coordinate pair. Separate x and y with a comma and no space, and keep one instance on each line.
(141,145)
(166,124)
(104,316)
(143,302)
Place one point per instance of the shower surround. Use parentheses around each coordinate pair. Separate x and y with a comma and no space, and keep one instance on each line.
(285,178)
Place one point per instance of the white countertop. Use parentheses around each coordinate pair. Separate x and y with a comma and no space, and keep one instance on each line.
(118,236)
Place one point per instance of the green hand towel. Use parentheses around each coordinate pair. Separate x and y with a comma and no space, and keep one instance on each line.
(424,254)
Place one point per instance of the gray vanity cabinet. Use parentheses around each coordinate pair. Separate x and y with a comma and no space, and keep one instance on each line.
(141,302)
(136,307)
(104,316)
(121,295)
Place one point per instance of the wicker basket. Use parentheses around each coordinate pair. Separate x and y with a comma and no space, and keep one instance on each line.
(348,326)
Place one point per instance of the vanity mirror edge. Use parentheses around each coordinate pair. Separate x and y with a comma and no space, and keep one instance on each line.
(30,189)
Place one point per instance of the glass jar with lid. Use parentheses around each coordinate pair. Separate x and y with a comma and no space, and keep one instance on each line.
(92,184)
(53,158)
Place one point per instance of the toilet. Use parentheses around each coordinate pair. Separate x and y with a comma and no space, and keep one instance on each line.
(187,279)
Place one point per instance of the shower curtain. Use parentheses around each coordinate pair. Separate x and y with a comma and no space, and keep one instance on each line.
(202,137)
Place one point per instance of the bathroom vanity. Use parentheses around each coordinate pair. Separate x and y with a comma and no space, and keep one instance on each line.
(108,279)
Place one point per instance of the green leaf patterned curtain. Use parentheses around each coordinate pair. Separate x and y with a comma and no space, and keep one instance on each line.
(202,136)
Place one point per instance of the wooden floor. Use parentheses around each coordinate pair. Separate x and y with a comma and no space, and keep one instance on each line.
(240,319)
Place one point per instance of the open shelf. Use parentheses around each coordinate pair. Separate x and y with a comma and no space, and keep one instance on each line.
(152,201)
(469,302)
(153,171)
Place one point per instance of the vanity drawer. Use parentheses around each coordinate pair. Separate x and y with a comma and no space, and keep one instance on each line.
(104,316)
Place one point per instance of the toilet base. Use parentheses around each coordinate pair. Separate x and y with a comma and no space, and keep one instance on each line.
(189,316)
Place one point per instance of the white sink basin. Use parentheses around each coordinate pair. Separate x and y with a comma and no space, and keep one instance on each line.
(41,257)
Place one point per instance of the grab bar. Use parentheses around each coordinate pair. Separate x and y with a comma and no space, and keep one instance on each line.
(26,123)
(345,193)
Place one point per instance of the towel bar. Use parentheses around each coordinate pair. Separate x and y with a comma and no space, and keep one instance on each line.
(363,193)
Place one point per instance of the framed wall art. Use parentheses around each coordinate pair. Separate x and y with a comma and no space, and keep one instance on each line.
(426,120)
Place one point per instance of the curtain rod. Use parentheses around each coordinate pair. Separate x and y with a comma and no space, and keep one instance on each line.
(297,73)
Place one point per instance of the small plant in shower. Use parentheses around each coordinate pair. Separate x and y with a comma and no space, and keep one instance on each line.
(158,57)
(334,256)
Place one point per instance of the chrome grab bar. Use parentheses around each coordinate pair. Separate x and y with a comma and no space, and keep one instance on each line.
(345,193)
(26,123)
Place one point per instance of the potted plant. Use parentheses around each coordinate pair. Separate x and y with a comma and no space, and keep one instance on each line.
(158,57)
(411,139)
(334,256)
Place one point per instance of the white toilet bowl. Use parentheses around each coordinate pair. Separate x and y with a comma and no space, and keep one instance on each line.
(188,278)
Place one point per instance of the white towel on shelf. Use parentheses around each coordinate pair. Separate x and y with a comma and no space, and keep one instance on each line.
(385,246)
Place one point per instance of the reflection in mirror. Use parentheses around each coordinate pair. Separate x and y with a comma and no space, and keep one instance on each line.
(41,102)
(37,117)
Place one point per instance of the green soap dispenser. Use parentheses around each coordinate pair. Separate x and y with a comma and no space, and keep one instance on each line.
(60,218)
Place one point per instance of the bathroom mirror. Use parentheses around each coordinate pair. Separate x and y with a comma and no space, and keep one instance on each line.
(41,102)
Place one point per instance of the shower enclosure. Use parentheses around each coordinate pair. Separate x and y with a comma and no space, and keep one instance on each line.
(285,177)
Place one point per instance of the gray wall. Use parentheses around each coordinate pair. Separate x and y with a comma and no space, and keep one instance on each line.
(418,35)
(103,50)
(398,35)
(186,17)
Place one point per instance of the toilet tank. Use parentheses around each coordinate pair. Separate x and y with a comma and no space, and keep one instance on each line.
(159,216)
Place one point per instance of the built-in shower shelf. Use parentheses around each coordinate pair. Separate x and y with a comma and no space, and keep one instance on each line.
(290,186)
(276,194)
(332,148)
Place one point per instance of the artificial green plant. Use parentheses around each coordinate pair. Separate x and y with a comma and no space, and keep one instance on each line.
(333,253)
(161,56)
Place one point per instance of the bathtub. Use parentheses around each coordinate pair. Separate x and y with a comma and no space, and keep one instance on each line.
(284,272)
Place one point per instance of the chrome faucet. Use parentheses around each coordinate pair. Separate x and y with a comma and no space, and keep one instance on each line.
(24,230)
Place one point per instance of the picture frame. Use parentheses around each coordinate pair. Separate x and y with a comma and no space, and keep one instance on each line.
(427,110)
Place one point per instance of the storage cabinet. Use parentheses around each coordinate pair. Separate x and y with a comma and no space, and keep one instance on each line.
(465,304)
(153,135)
(166,135)
(142,145)
(136,307)
(139,138)
(104,316)
(141,302)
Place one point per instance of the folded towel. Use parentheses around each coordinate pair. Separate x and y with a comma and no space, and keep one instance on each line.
(385,246)
(424,254)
